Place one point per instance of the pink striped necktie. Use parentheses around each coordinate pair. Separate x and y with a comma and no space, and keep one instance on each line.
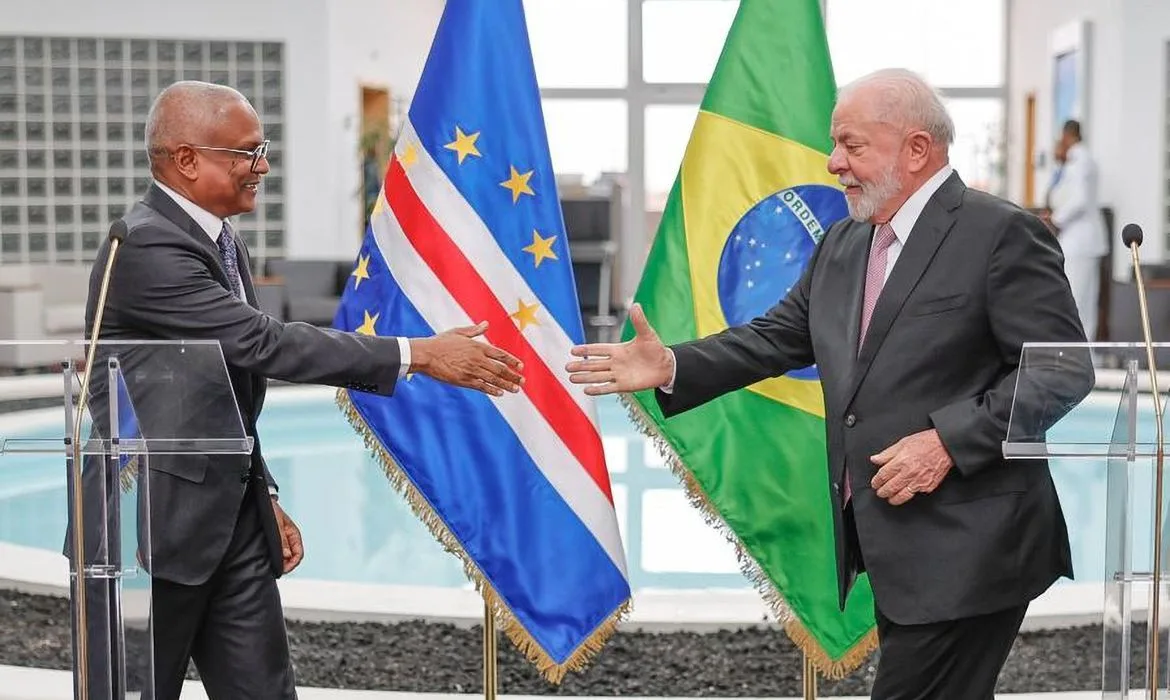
(875,279)
(875,276)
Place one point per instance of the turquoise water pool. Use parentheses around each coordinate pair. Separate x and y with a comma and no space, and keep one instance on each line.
(357,529)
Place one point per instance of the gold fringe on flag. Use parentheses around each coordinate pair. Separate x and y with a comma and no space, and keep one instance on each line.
(129,474)
(505,619)
(796,631)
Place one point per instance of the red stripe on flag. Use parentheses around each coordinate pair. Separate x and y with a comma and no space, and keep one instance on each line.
(476,298)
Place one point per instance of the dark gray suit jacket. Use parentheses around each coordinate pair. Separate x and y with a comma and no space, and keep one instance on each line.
(976,279)
(168,284)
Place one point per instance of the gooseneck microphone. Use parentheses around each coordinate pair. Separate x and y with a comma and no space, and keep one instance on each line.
(117,236)
(1131,236)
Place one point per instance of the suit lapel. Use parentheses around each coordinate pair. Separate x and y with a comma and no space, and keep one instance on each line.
(927,235)
(161,202)
(245,268)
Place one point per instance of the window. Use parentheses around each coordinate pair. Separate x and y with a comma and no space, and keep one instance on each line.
(110,83)
(580,44)
(682,39)
(586,137)
(950,43)
(977,153)
(668,128)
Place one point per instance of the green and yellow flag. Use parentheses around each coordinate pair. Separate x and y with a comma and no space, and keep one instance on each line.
(751,200)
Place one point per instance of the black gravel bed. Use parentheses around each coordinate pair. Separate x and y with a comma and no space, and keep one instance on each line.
(426,657)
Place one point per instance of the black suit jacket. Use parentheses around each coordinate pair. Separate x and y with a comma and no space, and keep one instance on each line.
(976,279)
(168,284)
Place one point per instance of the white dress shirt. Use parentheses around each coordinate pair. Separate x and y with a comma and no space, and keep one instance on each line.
(907,215)
(213,226)
(902,222)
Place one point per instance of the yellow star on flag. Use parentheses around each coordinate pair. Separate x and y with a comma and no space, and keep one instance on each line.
(362,271)
(464,144)
(541,248)
(518,183)
(525,315)
(367,327)
(410,155)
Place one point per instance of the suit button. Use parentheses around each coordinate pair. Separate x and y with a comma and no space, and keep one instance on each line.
(244,476)
(850,420)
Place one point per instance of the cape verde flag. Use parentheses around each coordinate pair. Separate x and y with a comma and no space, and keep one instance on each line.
(468,227)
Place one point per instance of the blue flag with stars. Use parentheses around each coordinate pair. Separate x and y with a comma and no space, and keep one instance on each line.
(468,228)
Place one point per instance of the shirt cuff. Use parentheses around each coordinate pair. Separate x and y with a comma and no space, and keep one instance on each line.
(272,492)
(404,356)
(668,388)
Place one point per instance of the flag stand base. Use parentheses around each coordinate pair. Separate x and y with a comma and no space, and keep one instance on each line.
(810,679)
(489,652)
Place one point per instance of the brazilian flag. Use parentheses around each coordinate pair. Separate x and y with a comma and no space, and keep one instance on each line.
(752,199)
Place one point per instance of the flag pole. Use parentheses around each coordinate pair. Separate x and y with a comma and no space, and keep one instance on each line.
(489,651)
(810,679)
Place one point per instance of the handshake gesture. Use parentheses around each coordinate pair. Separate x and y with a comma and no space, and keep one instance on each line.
(456,357)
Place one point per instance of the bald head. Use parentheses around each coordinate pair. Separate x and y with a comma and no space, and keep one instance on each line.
(904,100)
(206,143)
(189,111)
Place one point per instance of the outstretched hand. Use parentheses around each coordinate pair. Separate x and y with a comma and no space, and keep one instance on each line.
(642,362)
(457,358)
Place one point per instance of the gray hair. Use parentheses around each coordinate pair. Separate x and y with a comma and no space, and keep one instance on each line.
(184,111)
(907,100)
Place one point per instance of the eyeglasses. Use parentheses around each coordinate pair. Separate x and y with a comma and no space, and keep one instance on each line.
(255,154)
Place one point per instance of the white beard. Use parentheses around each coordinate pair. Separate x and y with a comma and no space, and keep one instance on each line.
(864,206)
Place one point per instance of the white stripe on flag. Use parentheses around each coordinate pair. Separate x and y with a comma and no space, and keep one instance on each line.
(461,222)
(551,455)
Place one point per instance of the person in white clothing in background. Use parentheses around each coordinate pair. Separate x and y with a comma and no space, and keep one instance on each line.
(1074,213)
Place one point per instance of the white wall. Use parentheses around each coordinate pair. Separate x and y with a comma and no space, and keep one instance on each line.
(331,49)
(377,43)
(1141,146)
(1126,111)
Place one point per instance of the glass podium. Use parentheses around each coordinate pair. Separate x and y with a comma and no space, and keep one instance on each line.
(146,412)
(1053,381)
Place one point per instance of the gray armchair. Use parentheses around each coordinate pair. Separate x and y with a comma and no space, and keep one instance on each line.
(312,289)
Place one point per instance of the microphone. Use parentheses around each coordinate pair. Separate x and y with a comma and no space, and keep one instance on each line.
(117,235)
(118,231)
(1131,236)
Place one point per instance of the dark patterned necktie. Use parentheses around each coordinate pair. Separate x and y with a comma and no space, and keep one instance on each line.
(227,253)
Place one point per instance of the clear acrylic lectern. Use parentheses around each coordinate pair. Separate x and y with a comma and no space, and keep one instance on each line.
(151,411)
(1053,384)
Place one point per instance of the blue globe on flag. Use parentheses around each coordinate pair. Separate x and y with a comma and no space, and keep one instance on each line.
(768,249)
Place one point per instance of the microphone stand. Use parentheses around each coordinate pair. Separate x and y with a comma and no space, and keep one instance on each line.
(80,610)
(1153,626)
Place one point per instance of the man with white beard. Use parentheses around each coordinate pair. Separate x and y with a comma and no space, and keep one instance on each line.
(915,310)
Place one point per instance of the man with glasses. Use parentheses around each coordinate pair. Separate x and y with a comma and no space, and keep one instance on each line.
(218,538)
